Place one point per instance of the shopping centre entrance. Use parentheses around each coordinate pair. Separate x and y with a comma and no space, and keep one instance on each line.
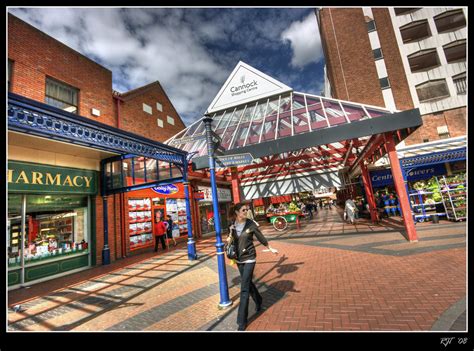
(289,141)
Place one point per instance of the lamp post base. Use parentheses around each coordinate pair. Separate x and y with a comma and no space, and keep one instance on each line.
(192,250)
(106,255)
(224,305)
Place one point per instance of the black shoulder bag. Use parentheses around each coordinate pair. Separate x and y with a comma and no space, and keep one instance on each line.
(231,249)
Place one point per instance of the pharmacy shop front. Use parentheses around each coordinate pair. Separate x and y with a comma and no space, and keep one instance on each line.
(49,210)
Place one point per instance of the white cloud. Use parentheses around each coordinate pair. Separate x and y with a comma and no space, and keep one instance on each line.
(305,41)
(143,45)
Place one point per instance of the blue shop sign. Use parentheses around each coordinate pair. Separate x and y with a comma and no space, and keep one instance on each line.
(167,189)
(384,177)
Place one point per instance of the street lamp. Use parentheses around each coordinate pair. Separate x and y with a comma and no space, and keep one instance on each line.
(225,301)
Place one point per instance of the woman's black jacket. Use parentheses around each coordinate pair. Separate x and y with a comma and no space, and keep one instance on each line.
(245,248)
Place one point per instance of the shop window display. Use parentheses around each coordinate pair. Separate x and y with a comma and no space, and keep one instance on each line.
(55,226)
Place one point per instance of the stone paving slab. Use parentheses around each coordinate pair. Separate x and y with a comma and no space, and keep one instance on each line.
(329,276)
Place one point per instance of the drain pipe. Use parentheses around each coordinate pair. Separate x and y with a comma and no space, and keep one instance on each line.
(118,99)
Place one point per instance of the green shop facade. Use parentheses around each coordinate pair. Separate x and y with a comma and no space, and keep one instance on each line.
(63,169)
(49,209)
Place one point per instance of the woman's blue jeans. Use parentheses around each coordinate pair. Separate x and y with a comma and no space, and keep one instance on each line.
(247,288)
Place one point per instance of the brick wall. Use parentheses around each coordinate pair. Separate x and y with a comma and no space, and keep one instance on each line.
(37,55)
(349,59)
(134,119)
(455,119)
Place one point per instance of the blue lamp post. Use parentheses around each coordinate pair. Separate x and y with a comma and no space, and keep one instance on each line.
(225,301)
(191,243)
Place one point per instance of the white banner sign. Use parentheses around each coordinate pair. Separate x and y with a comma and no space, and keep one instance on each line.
(224,195)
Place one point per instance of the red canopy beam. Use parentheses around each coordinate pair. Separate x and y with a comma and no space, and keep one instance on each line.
(400,187)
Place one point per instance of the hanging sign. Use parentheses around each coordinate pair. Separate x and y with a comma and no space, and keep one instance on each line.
(234,160)
(167,189)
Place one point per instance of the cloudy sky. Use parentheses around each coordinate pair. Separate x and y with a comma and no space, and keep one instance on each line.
(191,51)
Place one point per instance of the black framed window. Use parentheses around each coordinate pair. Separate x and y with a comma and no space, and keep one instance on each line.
(423,60)
(450,20)
(384,83)
(371,26)
(455,51)
(61,95)
(377,54)
(415,31)
(460,83)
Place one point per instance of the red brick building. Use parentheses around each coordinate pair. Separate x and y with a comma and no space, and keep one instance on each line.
(43,69)
(400,58)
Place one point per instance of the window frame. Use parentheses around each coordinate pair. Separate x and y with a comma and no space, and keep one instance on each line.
(65,85)
(381,54)
(432,98)
(455,44)
(447,14)
(421,53)
(412,25)
(388,82)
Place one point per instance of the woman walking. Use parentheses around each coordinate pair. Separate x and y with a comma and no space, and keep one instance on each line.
(242,232)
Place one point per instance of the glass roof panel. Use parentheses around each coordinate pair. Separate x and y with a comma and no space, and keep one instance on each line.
(228,134)
(334,112)
(376,112)
(257,123)
(243,127)
(354,112)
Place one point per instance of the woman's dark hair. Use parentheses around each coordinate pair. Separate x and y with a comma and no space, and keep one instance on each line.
(235,208)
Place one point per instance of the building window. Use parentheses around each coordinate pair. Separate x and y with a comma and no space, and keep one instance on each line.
(450,21)
(159,122)
(378,54)
(455,51)
(426,140)
(371,26)
(61,95)
(435,89)
(460,83)
(423,60)
(170,120)
(159,107)
(147,109)
(415,31)
(443,132)
(10,69)
(404,10)
(384,83)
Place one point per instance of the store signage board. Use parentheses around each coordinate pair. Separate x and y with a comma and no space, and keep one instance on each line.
(234,160)
(224,195)
(167,189)
(31,177)
(245,84)
(384,177)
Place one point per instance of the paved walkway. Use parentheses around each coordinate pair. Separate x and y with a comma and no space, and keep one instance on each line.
(329,276)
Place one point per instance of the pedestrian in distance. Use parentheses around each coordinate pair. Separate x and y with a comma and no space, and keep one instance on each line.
(169,231)
(350,210)
(309,208)
(160,230)
(242,231)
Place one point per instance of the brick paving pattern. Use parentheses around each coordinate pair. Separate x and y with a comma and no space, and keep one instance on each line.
(329,276)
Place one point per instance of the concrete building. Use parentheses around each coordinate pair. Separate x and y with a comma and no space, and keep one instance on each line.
(400,58)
